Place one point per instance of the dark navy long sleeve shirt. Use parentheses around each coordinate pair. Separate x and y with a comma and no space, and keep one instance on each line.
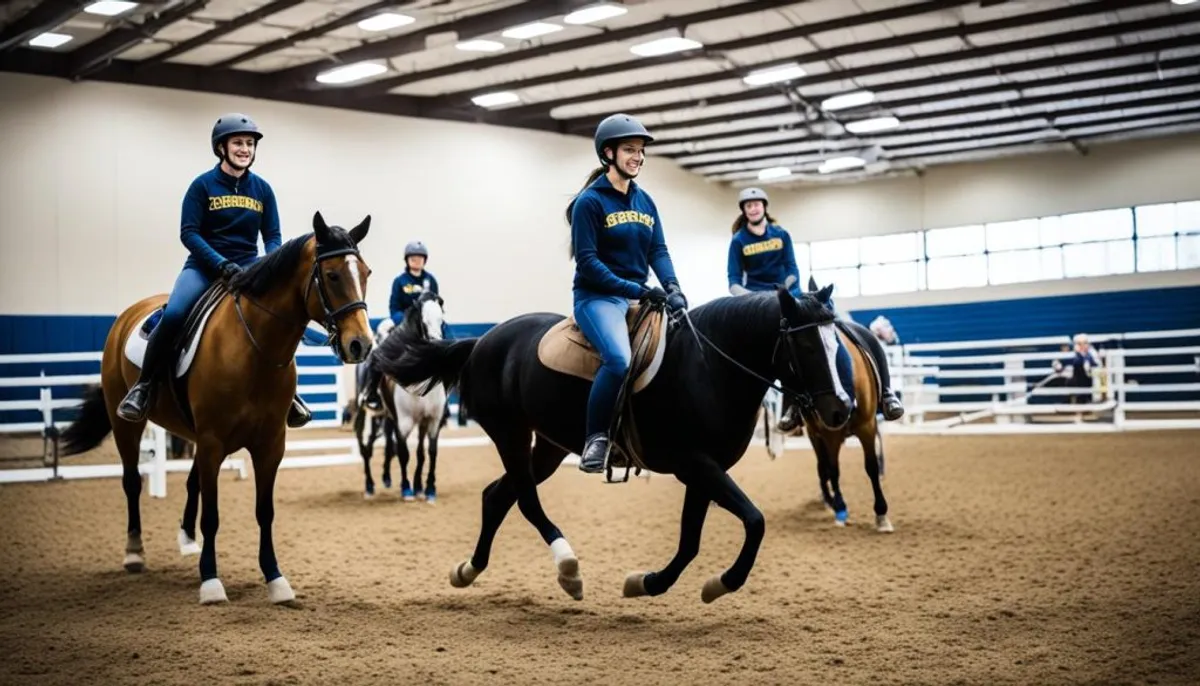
(618,237)
(765,261)
(405,289)
(223,217)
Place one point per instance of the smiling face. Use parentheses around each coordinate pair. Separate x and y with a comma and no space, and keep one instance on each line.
(630,156)
(238,151)
(754,210)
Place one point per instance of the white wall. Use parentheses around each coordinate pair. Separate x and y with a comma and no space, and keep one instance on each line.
(93,175)
(1113,175)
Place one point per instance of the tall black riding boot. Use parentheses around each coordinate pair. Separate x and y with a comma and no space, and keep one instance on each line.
(138,400)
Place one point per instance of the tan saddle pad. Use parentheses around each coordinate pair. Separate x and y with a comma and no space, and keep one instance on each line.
(565,349)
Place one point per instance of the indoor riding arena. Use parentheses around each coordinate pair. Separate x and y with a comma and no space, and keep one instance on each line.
(987,213)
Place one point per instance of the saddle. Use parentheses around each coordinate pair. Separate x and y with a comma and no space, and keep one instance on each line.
(183,350)
(565,349)
(854,337)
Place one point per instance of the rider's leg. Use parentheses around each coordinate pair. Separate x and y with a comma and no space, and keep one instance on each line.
(602,320)
(189,287)
(889,404)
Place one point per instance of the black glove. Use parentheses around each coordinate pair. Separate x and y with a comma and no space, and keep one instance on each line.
(655,296)
(229,270)
(675,298)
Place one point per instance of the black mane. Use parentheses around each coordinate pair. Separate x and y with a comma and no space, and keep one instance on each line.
(280,264)
(738,314)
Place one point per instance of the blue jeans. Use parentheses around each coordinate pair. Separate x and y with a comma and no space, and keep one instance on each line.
(189,286)
(601,318)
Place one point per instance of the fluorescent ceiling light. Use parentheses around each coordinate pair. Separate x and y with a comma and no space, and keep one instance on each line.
(773,75)
(840,163)
(848,100)
(351,72)
(664,46)
(774,173)
(495,99)
(872,125)
(480,45)
(537,28)
(599,12)
(384,21)
(1183,2)
(109,8)
(49,40)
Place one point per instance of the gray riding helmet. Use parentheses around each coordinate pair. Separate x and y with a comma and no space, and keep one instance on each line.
(231,124)
(752,194)
(615,127)
(416,248)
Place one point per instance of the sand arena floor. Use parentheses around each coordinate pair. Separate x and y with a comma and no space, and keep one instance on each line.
(1016,560)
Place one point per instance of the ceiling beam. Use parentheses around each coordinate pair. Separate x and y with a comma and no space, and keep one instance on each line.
(1102,54)
(304,75)
(222,28)
(680,22)
(347,19)
(881,106)
(463,98)
(41,18)
(94,56)
(1019,21)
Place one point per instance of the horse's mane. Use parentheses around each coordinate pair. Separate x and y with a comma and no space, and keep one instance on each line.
(734,313)
(401,337)
(281,263)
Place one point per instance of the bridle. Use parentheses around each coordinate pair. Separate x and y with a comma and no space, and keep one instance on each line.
(331,315)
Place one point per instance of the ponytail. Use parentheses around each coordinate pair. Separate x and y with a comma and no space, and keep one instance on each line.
(741,221)
(596,173)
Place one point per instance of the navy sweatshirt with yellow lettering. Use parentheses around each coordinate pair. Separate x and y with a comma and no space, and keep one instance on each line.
(762,262)
(617,239)
(223,217)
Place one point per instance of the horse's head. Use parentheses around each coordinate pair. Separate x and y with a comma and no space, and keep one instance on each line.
(811,343)
(427,315)
(339,284)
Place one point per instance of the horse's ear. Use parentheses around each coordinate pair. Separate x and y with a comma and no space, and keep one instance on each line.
(812,284)
(320,228)
(788,306)
(359,232)
(824,294)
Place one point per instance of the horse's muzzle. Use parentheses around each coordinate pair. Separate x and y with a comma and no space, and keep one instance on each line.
(357,349)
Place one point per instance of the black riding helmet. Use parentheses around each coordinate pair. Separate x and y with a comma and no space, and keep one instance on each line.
(616,127)
(230,125)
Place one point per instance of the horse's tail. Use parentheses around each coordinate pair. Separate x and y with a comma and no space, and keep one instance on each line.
(424,363)
(90,427)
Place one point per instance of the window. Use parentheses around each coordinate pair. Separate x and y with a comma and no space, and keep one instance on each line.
(1016,266)
(1188,252)
(957,272)
(1155,220)
(845,281)
(1012,235)
(1098,259)
(902,277)
(961,240)
(802,263)
(1155,254)
(1187,216)
(1050,229)
(1083,227)
(830,254)
(899,247)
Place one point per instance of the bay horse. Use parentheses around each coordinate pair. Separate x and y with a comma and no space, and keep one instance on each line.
(695,418)
(827,438)
(239,385)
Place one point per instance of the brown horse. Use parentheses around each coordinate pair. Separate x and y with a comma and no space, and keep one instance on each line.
(862,423)
(239,385)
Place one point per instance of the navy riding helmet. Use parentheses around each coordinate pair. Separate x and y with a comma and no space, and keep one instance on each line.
(231,124)
(615,127)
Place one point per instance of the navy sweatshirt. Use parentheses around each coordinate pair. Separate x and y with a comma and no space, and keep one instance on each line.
(766,260)
(405,289)
(223,217)
(618,238)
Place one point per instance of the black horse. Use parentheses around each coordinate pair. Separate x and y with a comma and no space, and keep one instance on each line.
(695,419)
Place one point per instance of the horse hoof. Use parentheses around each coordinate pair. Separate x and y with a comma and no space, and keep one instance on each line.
(839,518)
(568,568)
(419,494)
(368,495)
(635,585)
(883,525)
(187,544)
(463,575)
(387,482)
(430,499)
(134,563)
(406,494)
(212,591)
(713,588)
(280,591)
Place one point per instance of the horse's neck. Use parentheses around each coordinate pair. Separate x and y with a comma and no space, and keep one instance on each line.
(279,324)
(752,347)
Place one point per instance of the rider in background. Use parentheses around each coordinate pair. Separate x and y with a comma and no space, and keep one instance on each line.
(761,255)
(616,238)
(224,211)
(406,288)
(1082,361)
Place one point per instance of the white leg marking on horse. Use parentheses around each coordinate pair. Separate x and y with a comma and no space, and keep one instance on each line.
(187,544)
(883,525)
(568,568)
(134,563)
(635,585)
(463,575)
(212,591)
(713,588)
(280,591)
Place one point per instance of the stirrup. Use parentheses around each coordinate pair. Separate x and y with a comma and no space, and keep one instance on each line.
(890,399)
(596,464)
(129,409)
(298,413)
